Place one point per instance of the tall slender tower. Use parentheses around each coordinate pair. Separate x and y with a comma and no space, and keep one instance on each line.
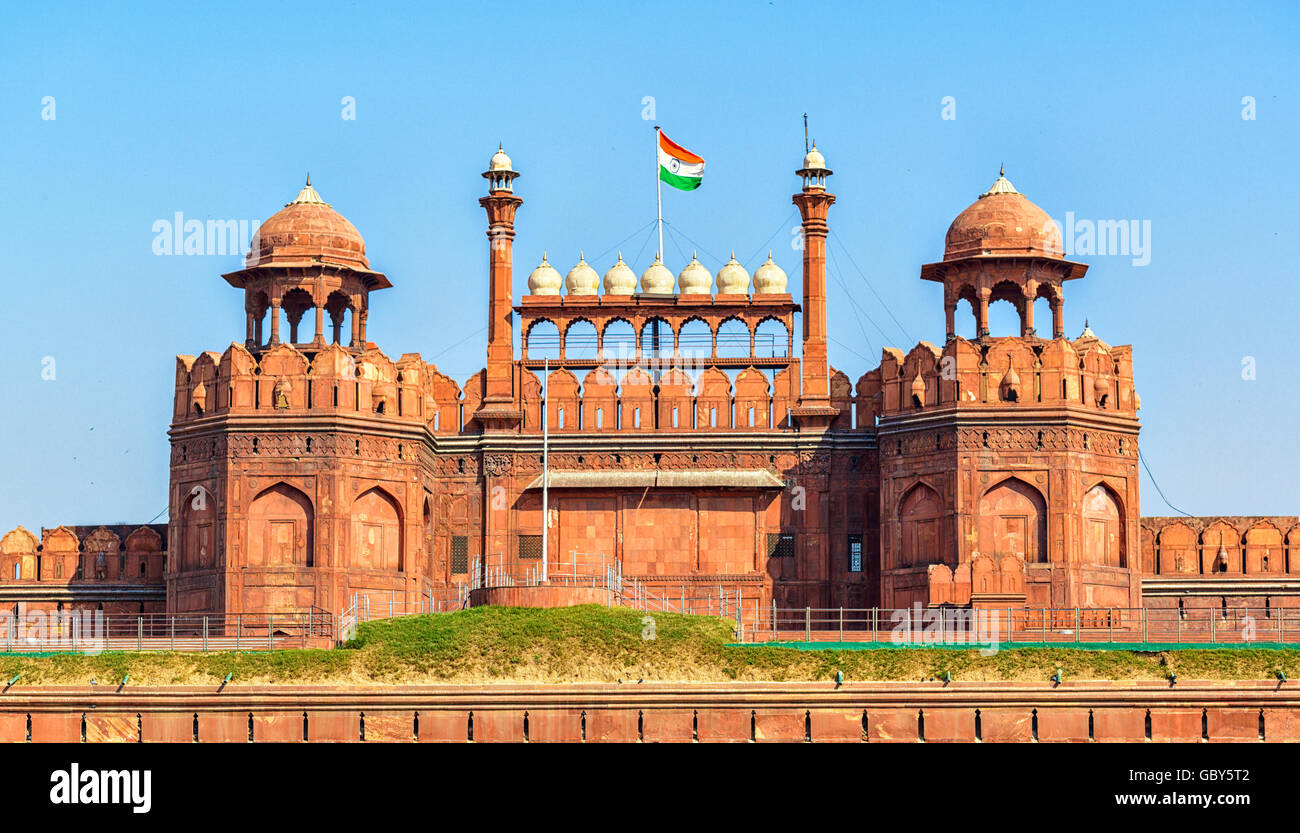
(814,410)
(499,410)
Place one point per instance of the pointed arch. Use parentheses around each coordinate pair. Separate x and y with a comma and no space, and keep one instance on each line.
(1104,535)
(376,531)
(280,528)
(198,524)
(1013,521)
(920,514)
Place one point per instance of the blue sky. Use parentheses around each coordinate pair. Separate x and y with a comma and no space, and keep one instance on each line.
(1110,111)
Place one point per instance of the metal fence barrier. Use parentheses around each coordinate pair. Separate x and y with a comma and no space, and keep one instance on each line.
(92,631)
(1010,626)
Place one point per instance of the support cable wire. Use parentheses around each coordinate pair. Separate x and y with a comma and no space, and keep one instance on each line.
(834,269)
(457,344)
(672,238)
(601,257)
(849,255)
(850,349)
(644,243)
(767,244)
(698,248)
(1157,485)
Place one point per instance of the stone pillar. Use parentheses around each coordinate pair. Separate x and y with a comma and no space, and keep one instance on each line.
(950,318)
(982,314)
(814,204)
(275,321)
(1058,317)
(500,205)
(320,325)
(1027,316)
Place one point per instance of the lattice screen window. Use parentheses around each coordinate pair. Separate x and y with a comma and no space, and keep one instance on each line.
(780,546)
(530,547)
(460,554)
(855,553)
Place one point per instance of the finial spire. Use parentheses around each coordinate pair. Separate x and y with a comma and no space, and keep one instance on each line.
(1002,170)
(309,177)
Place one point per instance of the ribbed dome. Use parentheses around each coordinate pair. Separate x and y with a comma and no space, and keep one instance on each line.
(695,279)
(732,278)
(499,161)
(770,279)
(657,280)
(308,229)
(582,279)
(1003,222)
(544,280)
(814,160)
(620,279)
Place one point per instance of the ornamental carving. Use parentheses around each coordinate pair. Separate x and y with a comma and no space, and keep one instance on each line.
(814,462)
(497,464)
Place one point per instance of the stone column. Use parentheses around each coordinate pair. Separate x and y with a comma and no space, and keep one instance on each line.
(275,321)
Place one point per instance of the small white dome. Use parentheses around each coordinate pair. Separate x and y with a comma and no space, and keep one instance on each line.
(770,279)
(582,279)
(657,280)
(732,278)
(544,280)
(500,162)
(620,279)
(695,279)
(813,160)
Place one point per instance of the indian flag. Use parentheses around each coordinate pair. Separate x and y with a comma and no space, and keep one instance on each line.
(678,166)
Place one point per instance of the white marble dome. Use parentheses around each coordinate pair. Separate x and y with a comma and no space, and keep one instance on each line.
(732,278)
(620,279)
(544,280)
(582,279)
(657,280)
(770,279)
(695,279)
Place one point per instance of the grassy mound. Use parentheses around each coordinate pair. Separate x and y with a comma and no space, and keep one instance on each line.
(603,644)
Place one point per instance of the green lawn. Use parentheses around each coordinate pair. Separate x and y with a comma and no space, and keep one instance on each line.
(602,644)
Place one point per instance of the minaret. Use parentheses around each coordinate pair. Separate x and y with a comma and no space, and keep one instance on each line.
(499,409)
(814,201)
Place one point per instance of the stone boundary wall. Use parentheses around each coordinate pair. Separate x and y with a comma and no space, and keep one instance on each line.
(816,712)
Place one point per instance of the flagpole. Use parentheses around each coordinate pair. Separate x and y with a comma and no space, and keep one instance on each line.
(659,196)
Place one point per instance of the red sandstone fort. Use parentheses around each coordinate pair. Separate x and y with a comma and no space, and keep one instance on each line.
(689,442)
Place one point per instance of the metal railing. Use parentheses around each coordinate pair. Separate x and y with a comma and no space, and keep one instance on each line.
(1010,626)
(369,605)
(92,631)
(574,569)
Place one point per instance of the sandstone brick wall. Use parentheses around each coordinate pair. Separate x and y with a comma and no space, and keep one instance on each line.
(854,713)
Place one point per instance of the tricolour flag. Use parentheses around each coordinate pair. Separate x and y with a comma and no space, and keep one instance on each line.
(678,166)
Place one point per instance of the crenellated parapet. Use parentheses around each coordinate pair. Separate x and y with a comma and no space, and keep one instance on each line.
(1220,547)
(117,569)
(1010,372)
(334,381)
